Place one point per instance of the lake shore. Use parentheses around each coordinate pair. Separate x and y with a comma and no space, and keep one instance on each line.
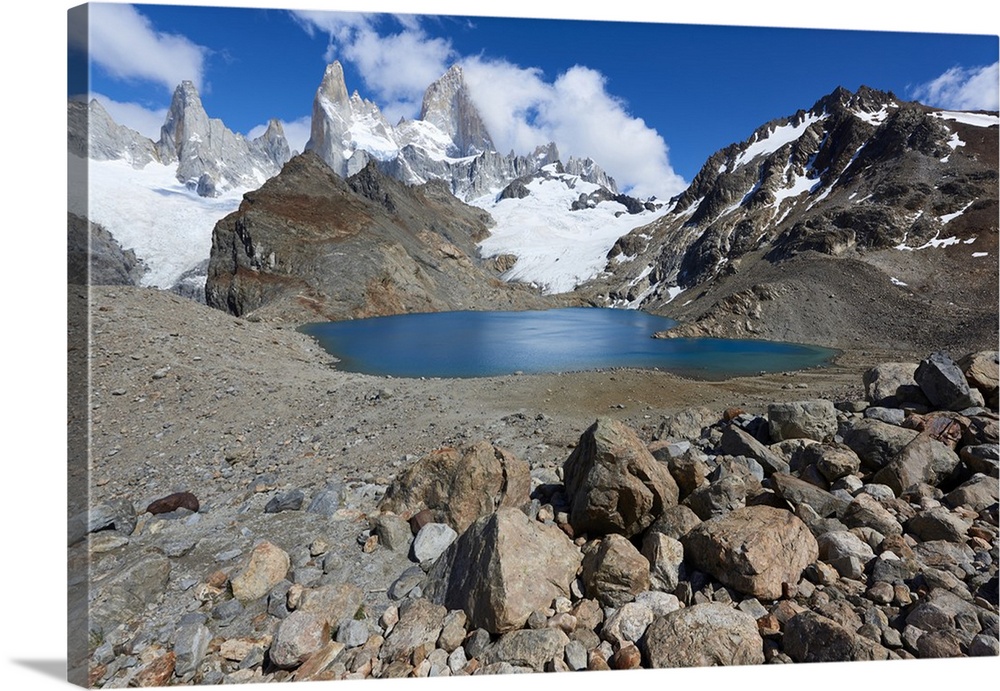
(174,380)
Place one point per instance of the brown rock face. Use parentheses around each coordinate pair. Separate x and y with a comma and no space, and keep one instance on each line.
(310,246)
(460,485)
(503,568)
(614,483)
(753,550)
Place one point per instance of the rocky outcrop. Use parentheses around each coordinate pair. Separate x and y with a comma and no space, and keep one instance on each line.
(95,257)
(311,246)
(92,133)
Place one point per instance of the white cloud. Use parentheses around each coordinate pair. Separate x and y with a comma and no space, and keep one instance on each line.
(396,67)
(399,67)
(128,46)
(146,121)
(296,132)
(962,89)
(520,108)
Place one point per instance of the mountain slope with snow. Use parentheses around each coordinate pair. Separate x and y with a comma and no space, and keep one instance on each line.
(906,190)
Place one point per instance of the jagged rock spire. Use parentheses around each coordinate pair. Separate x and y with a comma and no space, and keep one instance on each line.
(448,106)
(210,156)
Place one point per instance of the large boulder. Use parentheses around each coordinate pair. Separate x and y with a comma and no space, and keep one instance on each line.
(614,571)
(614,484)
(460,485)
(815,419)
(982,370)
(811,637)
(710,634)
(503,568)
(753,550)
(527,648)
(891,384)
(944,383)
(923,460)
(265,568)
(736,442)
(876,442)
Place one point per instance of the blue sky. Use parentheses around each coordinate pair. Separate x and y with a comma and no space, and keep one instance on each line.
(649,101)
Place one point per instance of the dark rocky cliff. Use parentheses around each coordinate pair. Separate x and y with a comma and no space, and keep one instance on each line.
(311,246)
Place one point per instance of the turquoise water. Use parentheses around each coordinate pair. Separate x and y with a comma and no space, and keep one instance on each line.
(482,344)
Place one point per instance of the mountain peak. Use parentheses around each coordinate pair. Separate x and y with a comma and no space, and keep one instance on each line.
(186,120)
(448,106)
(333,87)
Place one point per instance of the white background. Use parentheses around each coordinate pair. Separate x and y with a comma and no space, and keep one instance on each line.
(33,457)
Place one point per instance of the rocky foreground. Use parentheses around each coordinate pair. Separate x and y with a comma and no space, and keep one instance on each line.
(265,518)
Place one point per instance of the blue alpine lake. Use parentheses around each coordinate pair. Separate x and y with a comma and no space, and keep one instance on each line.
(483,344)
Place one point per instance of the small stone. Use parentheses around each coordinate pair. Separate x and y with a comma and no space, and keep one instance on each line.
(536,620)
(266,567)
(156,672)
(227,611)
(627,624)
(881,593)
(389,618)
(407,581)
(327,501)
(432,540)
(627,657)
(597,661)
(190,646)
(298,636)
(172,502)
(393,532)
(563,621)
(452,630)
(353,633)
(288,501)
(457,660)
(575,655)
(562,604)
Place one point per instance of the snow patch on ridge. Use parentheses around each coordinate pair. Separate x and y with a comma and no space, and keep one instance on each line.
(777,138)
(974,119)
(556,249)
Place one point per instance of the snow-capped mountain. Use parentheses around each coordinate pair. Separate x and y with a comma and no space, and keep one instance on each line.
(161,199)
(212,157)
(169,224)
(449,141)
(864,177)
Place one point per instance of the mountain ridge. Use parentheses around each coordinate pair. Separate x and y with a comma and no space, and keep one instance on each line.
(863,177)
